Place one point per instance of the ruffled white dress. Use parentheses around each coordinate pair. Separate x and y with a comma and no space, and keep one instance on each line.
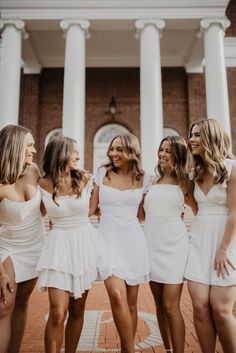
(123,248)
(206,234)
(167,236)
(22,235)
(69,257)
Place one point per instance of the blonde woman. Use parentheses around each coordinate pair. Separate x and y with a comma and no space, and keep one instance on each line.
(68,261)
(167,237)
(124,258)
(21,234)
(211,267)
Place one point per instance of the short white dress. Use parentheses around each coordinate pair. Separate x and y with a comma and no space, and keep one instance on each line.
(22,235)
(123,248)
(69,257)
(206,234)
(167,236)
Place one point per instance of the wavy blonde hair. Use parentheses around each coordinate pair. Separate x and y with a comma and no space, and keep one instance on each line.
(55,160)
(217,147)
(132,152)
(12,153)
(179,156)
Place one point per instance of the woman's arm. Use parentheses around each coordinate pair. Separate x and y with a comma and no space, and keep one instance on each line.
(94,200)
(189,197)
(222,261)
(5,283)
(141,212)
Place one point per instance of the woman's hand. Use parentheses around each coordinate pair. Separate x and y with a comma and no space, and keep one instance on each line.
(222,263)
(5,284)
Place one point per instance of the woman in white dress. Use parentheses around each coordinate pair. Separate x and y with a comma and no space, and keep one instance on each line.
(167,237)
(124,258)
(211,267)
(67,265)
(21,232)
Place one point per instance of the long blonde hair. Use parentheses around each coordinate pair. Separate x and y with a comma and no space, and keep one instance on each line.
(132,152)
(12,153)
(217,147)
(55,160)
(179,155)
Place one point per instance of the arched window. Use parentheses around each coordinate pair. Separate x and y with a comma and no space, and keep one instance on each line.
(170,132)
(101,140)
(51,134)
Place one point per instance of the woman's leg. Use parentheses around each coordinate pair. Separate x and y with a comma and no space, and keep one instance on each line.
(157,292)
(116,289)
(75,323)
(222,301)
(171,302)
(7,308)
(19,315)
(132,297)
(59,302)
(202,316)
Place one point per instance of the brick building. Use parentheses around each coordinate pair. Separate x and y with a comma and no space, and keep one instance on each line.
(170,75)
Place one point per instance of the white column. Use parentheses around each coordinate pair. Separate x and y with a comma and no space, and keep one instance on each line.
(10,71)
(150,90)
(73,121)
(215,71)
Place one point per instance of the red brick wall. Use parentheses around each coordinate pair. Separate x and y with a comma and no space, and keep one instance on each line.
(101,85)
(196,97)
(183,102)
(231,75)
(45,113)
(29,103)
(175,97)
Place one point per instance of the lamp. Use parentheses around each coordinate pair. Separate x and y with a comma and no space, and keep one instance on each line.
(112,106)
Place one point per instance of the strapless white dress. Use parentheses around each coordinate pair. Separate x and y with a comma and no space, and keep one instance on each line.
(69,257)
(167,236)
(22,235)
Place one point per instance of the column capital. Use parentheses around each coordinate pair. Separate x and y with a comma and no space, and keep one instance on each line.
(19,24)
(82,23)
(142,23)
(222,21)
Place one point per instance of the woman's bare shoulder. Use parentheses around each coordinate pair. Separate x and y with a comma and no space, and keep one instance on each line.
(45,183)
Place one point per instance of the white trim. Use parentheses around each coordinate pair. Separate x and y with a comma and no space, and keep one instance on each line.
(169,131)
(230,51)
(117,13)
(52,133)
(100,148)
(105,61)
(110,3)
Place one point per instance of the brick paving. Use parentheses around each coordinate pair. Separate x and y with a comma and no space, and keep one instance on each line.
(99,333)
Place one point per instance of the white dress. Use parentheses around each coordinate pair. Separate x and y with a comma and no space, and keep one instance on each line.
(69,257)
(123,249)
(206,234)
(22,235)
(166,233)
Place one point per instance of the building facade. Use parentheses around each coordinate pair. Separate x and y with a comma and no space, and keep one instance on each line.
(94,68)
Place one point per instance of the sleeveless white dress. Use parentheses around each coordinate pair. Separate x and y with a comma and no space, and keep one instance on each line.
(167,236)
(206,234)
(69,257)
(22,235)
(123,248)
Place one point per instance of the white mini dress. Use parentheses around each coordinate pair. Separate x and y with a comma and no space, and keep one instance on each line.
(123,248)
(22,235)
(167,236)
(206,234)
(69,257)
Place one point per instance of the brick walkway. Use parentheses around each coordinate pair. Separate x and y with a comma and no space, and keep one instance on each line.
(99,333)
